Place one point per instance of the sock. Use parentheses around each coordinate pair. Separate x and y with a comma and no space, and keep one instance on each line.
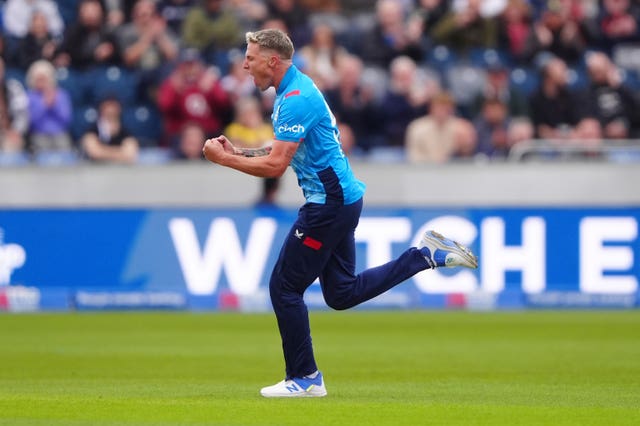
(312,375)
(427,256)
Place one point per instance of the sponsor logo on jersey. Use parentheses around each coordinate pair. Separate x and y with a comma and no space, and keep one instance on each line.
(296,128)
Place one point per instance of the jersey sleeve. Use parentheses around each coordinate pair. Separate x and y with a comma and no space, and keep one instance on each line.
(296,115)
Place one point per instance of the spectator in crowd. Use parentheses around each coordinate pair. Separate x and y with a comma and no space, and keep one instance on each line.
(148,46)
(520,130)
(514,29)
(49,110)
(347,139)
(107,140)
(498,86)
(37,44)
(193,93)
(555,110)
(403,101)
(466,139)
(3,49)
(353,104)
(295,17)
(174,12)
(119,11)
(607,100)
(492,129)
(115,13)
(321,56)
(189,144)
(238,83)
(212,28)
(250,130)
(14,113)
(88,42)
(429,13)
(18,16)
(617,23)
(558,31)
(391,36)
(331,6)
(589,132)
(250,13)
(433,138)
(465,27)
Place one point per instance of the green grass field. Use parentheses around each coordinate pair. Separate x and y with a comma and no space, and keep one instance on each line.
(381,368)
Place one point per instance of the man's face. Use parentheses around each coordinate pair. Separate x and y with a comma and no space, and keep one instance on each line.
(257,63)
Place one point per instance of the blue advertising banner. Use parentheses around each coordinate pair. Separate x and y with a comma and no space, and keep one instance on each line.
(222,258)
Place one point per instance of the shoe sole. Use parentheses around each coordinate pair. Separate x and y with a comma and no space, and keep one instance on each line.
(300,395)
(437,240)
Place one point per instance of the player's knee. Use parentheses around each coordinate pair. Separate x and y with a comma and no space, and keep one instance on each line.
(337,303)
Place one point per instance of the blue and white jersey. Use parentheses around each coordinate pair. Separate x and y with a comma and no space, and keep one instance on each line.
(301,115)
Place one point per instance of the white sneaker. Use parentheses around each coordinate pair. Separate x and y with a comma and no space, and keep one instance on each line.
(440,251)
(296,388)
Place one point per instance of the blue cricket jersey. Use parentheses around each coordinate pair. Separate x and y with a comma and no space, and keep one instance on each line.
(301,115)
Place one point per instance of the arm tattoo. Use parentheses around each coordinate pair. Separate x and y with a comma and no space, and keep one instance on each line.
(254,152)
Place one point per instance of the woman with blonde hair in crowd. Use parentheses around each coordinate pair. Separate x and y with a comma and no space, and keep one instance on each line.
(49,108)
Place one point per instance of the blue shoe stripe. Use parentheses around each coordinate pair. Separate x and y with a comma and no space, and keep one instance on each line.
(306,383)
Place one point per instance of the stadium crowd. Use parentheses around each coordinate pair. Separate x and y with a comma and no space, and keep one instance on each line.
(424,81)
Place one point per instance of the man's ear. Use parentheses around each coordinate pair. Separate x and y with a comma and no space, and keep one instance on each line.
(273,61)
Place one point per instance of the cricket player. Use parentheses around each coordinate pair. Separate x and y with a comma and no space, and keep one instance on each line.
(321,242)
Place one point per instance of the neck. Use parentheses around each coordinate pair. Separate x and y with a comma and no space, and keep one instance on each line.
(279,75)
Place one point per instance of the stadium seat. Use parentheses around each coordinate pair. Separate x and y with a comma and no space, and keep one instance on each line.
(143,122)
(630,80)
(13,159)
(82,120)
(375,79)
(524,80)
(16,74)
(465,82)
(152,156)
(11,46)
(485,58)
(75,83)
(627,56)
(387,154)
(68,10)
(116,82)
(56,158)
(441,58)
(577,78)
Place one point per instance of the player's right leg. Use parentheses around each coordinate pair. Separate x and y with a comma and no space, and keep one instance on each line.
(302,257)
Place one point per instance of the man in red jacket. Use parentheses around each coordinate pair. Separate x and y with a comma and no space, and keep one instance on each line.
(193,94)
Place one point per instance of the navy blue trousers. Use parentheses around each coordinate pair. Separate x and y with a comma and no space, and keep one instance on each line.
(321,244)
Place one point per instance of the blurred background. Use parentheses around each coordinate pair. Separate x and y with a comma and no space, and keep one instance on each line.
(510,125)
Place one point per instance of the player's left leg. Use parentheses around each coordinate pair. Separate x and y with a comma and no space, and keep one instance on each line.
(342,289)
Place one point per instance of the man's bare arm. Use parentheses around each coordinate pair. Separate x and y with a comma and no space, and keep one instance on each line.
(274,164)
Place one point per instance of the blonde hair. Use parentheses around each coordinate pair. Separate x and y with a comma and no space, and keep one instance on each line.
(41,67)
(272,39)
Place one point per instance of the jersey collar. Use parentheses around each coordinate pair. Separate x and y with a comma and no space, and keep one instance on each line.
(288,76)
